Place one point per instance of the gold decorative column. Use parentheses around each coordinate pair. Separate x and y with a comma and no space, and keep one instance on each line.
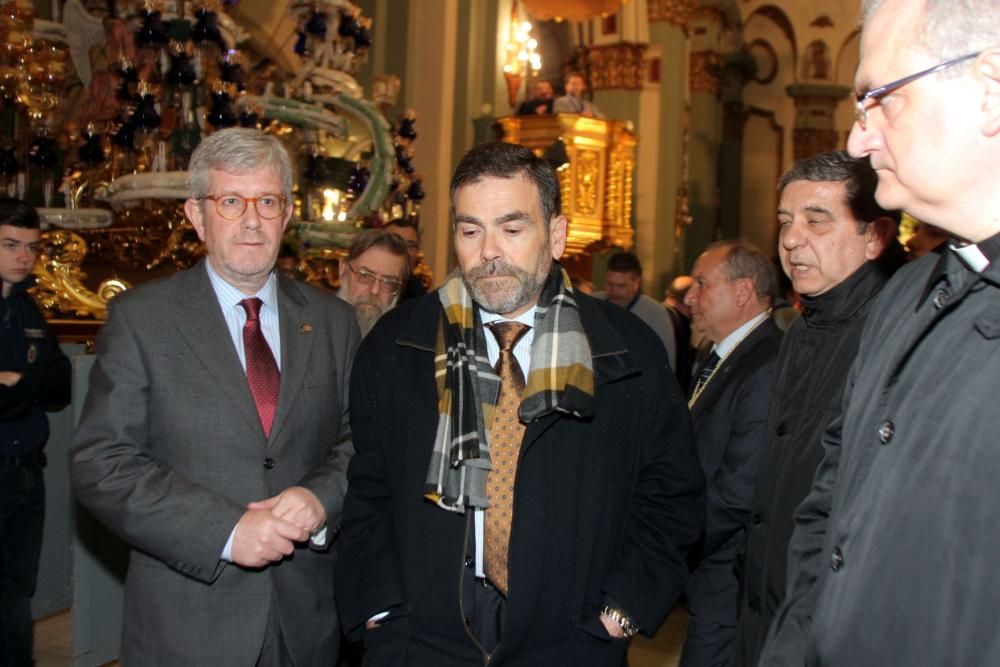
(596,179)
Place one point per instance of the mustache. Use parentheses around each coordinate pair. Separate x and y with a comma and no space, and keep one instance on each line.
(495,267)
(369,300)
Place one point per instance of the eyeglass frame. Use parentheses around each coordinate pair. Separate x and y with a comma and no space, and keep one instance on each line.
(861,111)
(366,278)
(246,201)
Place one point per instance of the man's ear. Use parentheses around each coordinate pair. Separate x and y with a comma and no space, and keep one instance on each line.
(558,230)
(192,209)
(987,68)
(879,233)
(744,290)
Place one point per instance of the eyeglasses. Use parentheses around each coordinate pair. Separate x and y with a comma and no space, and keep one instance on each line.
(367,279)
(861,101)
(232,206)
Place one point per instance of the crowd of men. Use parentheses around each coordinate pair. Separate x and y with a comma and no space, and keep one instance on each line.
(507,470)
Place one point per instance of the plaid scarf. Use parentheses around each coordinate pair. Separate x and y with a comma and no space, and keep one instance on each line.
(561,379)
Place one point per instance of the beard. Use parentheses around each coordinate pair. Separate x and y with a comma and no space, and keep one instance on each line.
(368,310)
(516,289)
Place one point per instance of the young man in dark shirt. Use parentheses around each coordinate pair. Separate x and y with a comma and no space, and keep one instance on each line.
(34,377)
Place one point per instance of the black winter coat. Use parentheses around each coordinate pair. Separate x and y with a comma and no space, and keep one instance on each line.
(604,508)
(812,368)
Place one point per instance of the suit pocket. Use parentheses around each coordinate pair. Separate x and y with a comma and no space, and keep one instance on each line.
(590,624)
(387,644)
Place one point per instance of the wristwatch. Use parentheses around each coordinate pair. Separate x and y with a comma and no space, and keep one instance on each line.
(622,619)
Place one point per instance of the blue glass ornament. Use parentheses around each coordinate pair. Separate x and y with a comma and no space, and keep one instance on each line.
(301,44)
(145,114)
(416,190)
(181,73)
(152,31)
(221,114)
(363,38)
(406,128)
(316,25)
(348,25)
(206,29)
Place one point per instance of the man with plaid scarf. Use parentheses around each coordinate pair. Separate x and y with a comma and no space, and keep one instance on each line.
(515,499)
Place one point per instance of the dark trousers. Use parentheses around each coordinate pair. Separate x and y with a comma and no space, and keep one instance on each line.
(484,609)
(707,644)
(22,512)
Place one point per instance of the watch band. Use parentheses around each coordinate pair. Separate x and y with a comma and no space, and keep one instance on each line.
(622,619)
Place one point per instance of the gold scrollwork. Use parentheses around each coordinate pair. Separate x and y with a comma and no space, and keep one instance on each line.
(678,12)
(616,66)
(705,68)
(60,288)
(587,174)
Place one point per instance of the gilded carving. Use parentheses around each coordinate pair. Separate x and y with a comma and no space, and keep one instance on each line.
(587,168)
(60,288)
(705,69)
(616,66)
(678,12)
(596,179)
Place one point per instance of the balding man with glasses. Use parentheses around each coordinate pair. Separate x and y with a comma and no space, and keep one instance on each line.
(214,438)
(894,556)
(373,275)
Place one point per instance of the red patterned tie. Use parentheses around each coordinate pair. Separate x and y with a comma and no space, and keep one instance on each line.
(505,446)
(262,371)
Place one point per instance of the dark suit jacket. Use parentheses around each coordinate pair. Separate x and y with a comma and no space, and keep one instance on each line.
(604,507)
(729,419)
(169,451)
(528,107)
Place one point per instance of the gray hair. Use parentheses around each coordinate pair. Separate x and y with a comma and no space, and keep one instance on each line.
(238,150)
(379,238)
(952,28)
(742,260)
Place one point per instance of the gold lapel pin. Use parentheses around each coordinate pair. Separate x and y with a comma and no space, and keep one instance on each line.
(305,328)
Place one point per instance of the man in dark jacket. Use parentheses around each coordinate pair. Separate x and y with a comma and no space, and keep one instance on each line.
(893,560)
(541,530)
(837,246)
(34,377)
(730,302)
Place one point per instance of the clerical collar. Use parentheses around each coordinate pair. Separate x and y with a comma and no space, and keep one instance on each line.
(976,257)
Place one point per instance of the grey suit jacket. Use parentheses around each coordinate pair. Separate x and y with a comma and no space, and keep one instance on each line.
(169,451)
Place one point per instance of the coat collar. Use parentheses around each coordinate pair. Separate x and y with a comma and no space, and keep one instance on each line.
(766,329)
(609,351)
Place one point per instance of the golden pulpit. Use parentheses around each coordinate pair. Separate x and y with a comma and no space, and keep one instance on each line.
(596,178)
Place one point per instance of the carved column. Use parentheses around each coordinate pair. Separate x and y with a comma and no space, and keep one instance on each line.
(738,69)
(661,180)
(815,130)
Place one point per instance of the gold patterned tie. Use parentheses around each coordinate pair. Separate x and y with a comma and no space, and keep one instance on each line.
(505,444)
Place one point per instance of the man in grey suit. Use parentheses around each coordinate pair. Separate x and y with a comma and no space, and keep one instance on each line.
(215,439)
